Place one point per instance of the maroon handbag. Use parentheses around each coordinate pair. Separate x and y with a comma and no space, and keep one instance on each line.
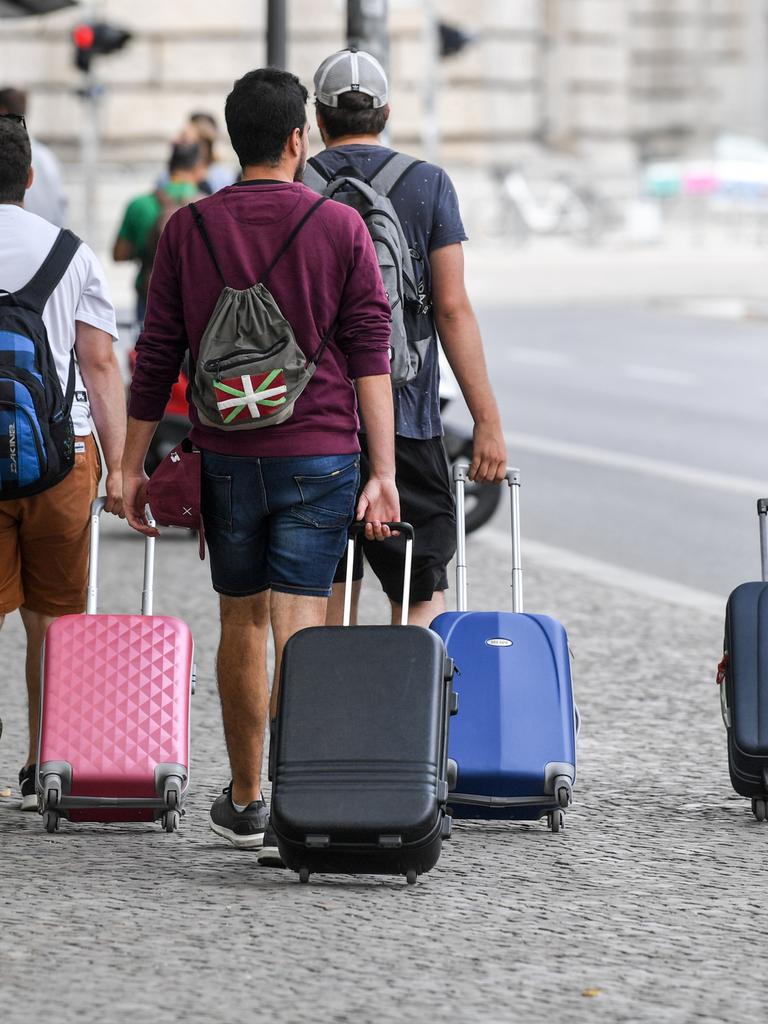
(173,492)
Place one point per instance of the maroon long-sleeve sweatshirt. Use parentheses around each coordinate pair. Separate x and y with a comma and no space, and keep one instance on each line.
(328,275)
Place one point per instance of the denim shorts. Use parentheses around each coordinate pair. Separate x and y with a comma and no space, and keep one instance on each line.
(277,523)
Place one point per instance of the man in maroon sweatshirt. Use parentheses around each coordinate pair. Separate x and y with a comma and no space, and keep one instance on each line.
(276,501)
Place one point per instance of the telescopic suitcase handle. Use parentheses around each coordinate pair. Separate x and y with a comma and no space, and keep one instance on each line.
(147,592)
(354,532)
(460,477)
(762,513)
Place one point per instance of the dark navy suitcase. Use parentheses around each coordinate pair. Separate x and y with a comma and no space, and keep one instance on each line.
(743,679)
(512,745)
(359,758)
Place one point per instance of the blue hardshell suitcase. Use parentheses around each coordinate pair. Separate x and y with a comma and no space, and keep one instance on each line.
(512,745)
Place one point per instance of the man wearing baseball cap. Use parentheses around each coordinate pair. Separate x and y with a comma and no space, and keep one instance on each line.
(352,108)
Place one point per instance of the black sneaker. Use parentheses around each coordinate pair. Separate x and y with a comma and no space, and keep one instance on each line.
(28,791)
(269,855)
(244,829)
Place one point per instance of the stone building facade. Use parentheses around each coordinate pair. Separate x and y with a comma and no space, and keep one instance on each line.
(598,78)
(597,82)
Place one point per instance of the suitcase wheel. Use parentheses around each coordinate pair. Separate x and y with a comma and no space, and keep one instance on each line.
(563,790)
(303,875)
(411,876)
(760,808)
(172,793)
(51,820)
(556,820)
(52,787)
(171,820)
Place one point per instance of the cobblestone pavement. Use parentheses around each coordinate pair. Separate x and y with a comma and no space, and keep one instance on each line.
(647,908)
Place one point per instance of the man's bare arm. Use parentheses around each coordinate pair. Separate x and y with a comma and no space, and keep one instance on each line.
(463,347)
(123,250)
(95,352)
(379,503)
(140,434)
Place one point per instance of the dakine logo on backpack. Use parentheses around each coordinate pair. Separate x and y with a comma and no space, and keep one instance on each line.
(36,435)
(411,331)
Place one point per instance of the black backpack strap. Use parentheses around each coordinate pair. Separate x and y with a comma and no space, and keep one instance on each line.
(392,172)
(69,393)
(323,344)
(282,250)
(204,234)
(36,292)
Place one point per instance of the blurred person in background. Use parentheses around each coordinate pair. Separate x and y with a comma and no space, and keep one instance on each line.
(203,129)
(46,196)
(146,215)
(352,108)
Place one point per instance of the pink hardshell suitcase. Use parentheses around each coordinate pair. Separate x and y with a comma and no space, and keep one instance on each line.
(114,710)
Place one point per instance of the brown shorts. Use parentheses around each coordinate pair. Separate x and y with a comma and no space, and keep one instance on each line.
(44,541)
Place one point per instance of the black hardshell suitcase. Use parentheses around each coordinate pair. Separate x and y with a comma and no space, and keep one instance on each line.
(743,679)
(359,759)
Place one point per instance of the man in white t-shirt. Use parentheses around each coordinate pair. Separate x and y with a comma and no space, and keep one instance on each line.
(44,538)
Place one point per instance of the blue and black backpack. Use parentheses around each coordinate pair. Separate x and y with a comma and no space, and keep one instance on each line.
(37,445)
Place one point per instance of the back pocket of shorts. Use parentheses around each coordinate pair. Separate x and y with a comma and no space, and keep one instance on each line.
(216,499)
(328,501)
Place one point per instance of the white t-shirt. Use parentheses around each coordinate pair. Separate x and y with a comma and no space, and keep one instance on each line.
(82,294)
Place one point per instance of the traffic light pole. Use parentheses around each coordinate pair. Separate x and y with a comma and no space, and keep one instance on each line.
(276,33)
(89,154)
(367,28)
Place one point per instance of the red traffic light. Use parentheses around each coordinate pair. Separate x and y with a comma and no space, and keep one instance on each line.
(96,39)
(83,37)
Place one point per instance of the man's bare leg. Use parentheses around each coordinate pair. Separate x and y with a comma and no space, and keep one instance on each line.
(35,625)
(335,613)
(420,613)
(289,614)
(241,667)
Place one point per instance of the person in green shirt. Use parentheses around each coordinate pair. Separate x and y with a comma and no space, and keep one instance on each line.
(146,215)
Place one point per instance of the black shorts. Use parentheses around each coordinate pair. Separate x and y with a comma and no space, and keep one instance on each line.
(426,502)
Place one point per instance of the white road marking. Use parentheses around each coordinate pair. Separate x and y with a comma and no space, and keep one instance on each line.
(537,356)
(661,375)
(611,575)
(627,461)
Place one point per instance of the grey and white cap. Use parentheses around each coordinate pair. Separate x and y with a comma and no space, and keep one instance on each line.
(351,71)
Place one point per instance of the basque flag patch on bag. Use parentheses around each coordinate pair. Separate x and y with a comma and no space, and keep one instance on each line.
(251,396)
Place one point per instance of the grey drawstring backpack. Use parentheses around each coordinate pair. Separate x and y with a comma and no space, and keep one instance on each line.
(249,369)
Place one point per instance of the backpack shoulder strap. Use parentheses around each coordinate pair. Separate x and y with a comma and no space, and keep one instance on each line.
(315,176)
(206,239)
(36,292)
(281,251)
(392,172)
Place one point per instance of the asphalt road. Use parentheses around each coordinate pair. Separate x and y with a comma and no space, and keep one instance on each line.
(639,433)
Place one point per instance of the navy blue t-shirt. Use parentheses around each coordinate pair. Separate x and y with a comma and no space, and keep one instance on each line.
(426,203)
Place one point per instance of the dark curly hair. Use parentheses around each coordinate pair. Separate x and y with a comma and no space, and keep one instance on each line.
(15,161)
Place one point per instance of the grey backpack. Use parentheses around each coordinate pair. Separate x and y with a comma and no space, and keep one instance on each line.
(249,369)
(411,333)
